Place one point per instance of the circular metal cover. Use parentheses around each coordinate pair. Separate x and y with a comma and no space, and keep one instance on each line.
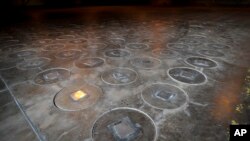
(90,62)
(69,54)
(196,37)
(124,124)
(137,46)
(187,75)
(79,41)
(177,46)
(211,53)
(119,76)
(23,54)
(5,37)
(117,53)
(54,47)
(145,62)
(65,37)
(164,96)
(51,76)
(13,47)
(64,101)
(115,46)
(117,41)
(33,63)
(217,46)
(95,46)
(45,41)
(165,53)
(191,41)
(201,62)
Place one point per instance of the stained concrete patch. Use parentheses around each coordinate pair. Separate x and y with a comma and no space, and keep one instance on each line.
(13,125)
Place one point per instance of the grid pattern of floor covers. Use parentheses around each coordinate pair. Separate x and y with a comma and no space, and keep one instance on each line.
(174,74)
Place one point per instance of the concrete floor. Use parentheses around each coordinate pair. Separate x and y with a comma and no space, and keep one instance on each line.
(134,65)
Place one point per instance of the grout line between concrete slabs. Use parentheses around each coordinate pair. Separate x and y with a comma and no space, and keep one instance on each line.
(33,127)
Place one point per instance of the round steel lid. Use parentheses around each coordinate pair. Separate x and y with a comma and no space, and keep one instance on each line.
(165,53)
(117,53)
(164,96)
(187,75)
(69,54)
(210,53)
(51,76)
(119,76)
(201,62)
(124,124)
(177,46)
(75,98)
(137,46)
(33,63)
(89,62)
(53,47)
(145,62)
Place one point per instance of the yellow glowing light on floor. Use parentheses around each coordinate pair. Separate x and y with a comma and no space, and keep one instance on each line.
(78,95)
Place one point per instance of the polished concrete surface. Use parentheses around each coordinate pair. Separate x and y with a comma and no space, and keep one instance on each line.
(141,73)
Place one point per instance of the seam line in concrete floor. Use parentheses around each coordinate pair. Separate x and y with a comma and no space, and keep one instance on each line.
(32,126)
